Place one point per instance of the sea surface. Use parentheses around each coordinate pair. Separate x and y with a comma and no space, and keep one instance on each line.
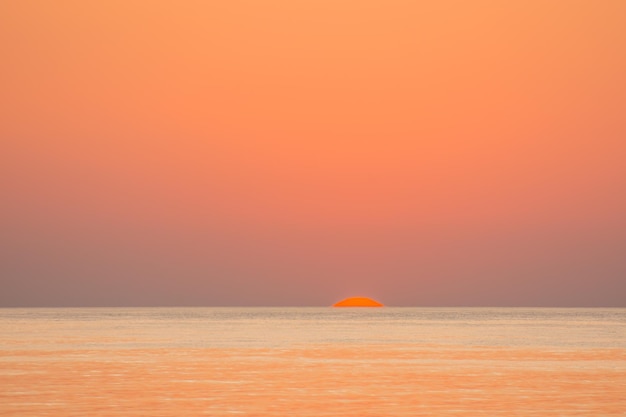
(312,362)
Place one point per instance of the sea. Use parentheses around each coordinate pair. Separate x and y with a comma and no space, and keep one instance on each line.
(316,361)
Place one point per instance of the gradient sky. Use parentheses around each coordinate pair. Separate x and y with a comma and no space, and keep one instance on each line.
(281,152)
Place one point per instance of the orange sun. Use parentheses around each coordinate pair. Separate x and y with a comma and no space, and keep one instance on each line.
(358,302)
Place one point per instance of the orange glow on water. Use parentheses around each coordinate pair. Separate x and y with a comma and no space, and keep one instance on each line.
(358,302)
(432,380)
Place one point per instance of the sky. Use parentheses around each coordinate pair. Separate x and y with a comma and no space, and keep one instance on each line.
(293,153)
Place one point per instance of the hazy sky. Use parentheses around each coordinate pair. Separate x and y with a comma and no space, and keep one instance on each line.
(281,152)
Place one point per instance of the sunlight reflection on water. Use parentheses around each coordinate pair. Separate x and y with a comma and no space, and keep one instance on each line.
(312,361)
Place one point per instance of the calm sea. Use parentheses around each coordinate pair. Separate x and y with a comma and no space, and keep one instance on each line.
(312,362)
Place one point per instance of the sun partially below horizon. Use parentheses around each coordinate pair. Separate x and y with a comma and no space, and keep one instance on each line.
(358,302)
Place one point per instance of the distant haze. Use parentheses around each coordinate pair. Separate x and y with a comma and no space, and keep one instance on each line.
(280,152)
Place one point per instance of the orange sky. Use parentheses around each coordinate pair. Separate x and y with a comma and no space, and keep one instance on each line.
(298,152)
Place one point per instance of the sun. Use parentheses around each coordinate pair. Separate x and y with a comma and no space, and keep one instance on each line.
(358,302)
